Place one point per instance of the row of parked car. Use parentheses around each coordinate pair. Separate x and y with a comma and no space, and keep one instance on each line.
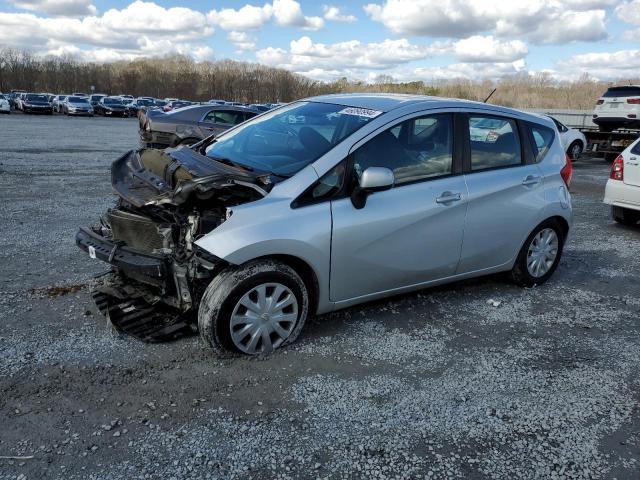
(79,103)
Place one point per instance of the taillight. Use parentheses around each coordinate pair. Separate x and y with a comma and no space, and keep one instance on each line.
(567,171)
(600,102)
(634,101)
(617,169)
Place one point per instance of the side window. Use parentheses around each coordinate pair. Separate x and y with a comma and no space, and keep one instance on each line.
(494,142)
(636,148)
(415,149)
(226,117)
(542,140)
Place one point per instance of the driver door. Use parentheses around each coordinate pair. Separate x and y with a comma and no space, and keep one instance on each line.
(412,233)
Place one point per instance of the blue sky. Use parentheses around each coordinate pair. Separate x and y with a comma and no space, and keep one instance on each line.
(405,39)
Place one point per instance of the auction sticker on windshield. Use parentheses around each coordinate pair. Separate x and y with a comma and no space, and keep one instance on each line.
(360,112)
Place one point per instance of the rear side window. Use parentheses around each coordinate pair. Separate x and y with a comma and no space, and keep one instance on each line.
(622,92)
(542,140)
(636,148)
(494,142)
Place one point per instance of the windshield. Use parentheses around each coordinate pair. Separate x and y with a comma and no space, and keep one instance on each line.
(78,100)
(112,101)
(96,98)
(37,98)
(286,140)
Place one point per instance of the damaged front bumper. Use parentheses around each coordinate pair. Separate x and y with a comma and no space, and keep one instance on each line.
(136,296)
(147,268)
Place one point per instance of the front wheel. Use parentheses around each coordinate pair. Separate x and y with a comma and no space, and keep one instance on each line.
(540,255)
(253,309)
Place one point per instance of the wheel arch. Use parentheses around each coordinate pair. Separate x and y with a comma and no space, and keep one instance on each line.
(306,272)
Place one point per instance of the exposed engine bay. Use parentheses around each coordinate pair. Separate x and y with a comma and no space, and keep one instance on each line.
(166,201)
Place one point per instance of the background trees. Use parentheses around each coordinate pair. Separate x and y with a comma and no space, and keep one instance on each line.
(180,77)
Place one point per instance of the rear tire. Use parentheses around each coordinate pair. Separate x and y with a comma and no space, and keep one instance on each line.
(536,252)
(625,216)
(221,308)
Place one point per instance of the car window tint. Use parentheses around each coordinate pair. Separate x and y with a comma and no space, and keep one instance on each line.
(630,91)
(230,118)
(416,149)
(636,148)
(542,140)
(494,142)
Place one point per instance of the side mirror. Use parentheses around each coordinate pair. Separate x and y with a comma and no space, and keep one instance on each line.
(373,179)
(376,179)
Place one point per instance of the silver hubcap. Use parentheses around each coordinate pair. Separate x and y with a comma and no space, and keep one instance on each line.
(264,318)
(542,253)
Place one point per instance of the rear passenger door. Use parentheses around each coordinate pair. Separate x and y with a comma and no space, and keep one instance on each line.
(506,191)
(218,121)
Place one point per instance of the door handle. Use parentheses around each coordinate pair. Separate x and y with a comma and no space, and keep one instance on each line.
(448,197)
(531,180)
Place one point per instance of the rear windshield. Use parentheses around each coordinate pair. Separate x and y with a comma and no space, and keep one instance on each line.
(96,98)
(78,100)
(622,92)
(37,98)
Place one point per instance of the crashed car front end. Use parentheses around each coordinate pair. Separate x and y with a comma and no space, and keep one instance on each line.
(166,200)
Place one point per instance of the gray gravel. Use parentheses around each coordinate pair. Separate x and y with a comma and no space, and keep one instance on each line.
(438,384)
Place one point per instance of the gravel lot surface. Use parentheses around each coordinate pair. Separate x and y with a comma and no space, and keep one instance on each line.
(437,384)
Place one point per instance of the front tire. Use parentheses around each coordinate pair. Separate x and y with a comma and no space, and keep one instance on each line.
(253,309)
(540,255)
(625,216)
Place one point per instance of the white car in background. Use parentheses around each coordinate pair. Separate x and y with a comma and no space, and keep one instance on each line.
(618,107)
(5,106)
(573,140)
(623,187)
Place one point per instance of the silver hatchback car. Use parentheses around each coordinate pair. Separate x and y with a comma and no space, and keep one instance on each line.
(326,203)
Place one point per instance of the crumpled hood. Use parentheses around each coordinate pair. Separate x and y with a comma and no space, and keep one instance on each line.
(151,176)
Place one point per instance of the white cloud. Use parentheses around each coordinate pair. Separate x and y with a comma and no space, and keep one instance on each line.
(471,71)
(142,28)
(289,13)
(629,12)
(246,18)
(58,8)
(542,21)
(242,40)
(335,15)
(485,49)
(305,56)
(621,64)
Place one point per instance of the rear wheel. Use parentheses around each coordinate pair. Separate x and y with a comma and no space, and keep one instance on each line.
(575,149)
(540,255)
(625,216)
(253,309)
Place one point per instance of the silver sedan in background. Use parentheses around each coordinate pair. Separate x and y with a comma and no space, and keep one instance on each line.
(326,203)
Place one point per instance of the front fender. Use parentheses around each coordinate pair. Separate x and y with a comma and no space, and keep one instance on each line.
(271,227)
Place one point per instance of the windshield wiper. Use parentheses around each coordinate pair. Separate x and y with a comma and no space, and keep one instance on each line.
(231,163)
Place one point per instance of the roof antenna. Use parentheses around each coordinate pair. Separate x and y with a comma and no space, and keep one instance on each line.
(490,95)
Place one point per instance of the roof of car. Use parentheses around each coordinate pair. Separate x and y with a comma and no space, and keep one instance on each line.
(386,102)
